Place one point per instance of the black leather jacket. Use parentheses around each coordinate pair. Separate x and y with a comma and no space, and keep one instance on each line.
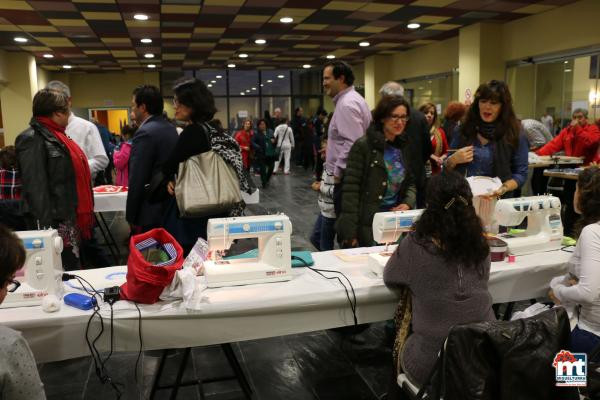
(47,176)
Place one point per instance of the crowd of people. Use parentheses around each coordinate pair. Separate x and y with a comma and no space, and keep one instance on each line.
(393,158)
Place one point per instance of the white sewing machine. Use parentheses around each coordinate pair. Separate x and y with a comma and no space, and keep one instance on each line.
(273,263)
(544,227)
(387,228)
(43,269)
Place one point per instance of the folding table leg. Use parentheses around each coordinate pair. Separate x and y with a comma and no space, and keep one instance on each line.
(161,366)
(104,235)
(237,369)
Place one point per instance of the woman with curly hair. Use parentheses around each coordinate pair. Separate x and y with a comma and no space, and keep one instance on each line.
(445,264)
(453,115)
(581,285)
(491,142)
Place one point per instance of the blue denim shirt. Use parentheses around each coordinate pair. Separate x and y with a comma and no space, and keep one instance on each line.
(483,159)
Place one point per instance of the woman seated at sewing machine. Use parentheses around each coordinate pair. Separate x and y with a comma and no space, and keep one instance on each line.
(19,377)
(491,142)
(377,176)
(445,264)
(581,284)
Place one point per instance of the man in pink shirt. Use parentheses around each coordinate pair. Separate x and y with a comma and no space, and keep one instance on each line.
(350,121)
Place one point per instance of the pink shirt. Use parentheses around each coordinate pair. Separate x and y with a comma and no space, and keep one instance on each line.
(350,121)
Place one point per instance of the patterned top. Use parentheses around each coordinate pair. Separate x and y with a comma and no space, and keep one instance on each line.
(394,165)
(10,184)
(19,377)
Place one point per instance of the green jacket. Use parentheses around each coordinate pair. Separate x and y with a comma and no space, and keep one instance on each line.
(364,185)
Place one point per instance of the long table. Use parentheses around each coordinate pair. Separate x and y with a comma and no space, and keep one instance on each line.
(306,303)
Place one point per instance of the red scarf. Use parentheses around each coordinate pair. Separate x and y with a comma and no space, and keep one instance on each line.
(83,178)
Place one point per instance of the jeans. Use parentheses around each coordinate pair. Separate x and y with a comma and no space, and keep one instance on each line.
(323,233)
(582,341)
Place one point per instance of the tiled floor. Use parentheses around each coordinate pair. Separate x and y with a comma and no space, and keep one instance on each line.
(317,365)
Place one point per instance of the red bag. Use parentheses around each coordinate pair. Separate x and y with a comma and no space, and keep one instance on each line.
(145,282)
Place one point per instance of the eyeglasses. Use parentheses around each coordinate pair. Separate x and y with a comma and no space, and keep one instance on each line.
(12,285)
(399,118)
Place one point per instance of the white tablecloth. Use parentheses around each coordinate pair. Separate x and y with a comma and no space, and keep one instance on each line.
(104,202)
(306,303)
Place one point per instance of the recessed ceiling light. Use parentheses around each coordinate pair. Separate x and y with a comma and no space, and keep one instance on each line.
(286,20)
(307,66)
(280,76)
(330,56)
(149,55)
(413,25)
(213,81)
(20,39)
(48,56)
(262,84)
(566,62)
(140,17)
(568,70)
(209,85)
(364,44)
(151,66)
(146,40)
(269,80)
(243,55)
(253,88)
(67,67)
(231,65)
(219,76)
(247,90)
(242,94)
(260,41)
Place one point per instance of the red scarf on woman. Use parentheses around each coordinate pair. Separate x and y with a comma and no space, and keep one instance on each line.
(83,178)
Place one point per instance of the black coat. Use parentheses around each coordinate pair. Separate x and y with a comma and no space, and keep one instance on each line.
(47,175)
(152,145)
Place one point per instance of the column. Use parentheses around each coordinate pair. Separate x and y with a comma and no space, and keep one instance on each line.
(377,72)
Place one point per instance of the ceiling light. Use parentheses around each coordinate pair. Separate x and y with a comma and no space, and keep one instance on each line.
(307,66)
(151,66)
(413,25)
(67,67)
(253,88)
(260,41)
(20,39)
(209,85)
(280,76)
(566,62)
(149,55)
(213,81)
(286,20)
(48,56)
(247,90)
(242,93)
(243,55)
(364,44)
(146,40)
(269,80)
(330,56)
(140,17)
(568,70)
(219,76)
(231,65)
(261,85)
(420,87)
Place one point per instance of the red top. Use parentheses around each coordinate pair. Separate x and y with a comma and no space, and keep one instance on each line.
(576,141)
(243,138)
(435,168)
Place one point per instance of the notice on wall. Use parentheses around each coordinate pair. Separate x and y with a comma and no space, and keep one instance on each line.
(243,113)
(580,104)
(438,108)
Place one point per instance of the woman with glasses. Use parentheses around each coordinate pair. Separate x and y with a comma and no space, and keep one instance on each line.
(19,377)
(377,176)
(491,142)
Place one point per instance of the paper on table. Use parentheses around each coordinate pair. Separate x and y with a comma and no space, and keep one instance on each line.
(358,254)
(483,185)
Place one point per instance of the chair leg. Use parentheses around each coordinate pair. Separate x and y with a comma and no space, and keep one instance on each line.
(237,369)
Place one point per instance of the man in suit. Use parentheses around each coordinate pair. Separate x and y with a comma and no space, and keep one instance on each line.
(154,141)
(417,131)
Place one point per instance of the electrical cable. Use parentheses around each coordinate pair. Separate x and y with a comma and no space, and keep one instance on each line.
(319,271)
(141,340)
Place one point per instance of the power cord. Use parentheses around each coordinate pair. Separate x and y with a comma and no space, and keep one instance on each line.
(141,340)
(319,271)
(99,363)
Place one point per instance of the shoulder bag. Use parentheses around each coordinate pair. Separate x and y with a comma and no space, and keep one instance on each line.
(206,185)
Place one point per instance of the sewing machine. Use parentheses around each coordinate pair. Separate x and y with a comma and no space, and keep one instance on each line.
(273,263)
(387,228)
(544,227)
(42,270)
